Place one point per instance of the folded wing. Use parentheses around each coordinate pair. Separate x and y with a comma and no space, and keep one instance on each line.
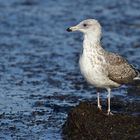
(119,69)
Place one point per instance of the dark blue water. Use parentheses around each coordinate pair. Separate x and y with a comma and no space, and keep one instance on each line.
(39,74)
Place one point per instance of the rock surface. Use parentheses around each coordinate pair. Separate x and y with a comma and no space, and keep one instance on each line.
(86,122)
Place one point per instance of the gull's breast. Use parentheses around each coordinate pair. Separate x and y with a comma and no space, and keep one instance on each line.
(94,71)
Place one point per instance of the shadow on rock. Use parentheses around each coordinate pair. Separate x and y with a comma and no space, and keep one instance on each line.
(86,122)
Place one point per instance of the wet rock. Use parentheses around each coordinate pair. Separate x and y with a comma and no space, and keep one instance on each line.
(86,122)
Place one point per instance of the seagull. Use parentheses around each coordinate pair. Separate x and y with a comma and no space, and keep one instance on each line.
(100,68)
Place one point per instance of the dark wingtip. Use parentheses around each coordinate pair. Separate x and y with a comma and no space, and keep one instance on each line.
(68,30)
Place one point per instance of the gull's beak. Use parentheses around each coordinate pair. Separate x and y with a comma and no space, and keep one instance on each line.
(71,29)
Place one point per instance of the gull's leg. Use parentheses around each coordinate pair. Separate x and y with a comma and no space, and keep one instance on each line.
(98,101)
(109,111)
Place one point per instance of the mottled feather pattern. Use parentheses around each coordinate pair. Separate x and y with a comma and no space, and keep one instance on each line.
(119,69)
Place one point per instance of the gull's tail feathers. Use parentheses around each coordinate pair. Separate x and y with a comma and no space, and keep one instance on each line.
(138,75)
(137,71)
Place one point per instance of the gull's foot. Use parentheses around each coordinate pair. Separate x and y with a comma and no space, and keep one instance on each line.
(109,113)
(99,107)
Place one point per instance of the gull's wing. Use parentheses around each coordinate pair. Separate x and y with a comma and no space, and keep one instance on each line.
(119,69)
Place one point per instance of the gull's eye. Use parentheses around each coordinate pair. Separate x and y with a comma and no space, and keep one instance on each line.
(85,25)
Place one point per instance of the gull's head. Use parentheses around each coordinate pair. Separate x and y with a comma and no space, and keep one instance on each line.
(89,26)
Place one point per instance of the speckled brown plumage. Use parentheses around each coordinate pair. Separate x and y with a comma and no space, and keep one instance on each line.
(119,69)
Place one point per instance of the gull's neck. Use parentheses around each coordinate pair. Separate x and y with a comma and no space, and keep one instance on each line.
(92,42)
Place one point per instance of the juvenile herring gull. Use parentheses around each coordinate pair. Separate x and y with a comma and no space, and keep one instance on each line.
(100,68)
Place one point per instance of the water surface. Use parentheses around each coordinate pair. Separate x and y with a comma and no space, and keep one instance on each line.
(40,79)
